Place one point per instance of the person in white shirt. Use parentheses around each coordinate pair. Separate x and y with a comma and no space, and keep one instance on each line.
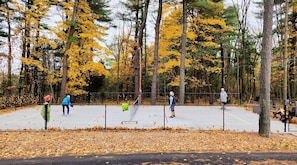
(172,103)
(223,97)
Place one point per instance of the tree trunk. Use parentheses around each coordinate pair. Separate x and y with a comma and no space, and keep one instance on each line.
(37,76)
(264,119)
(139,52)
(223,64)
(241,56)
(136,55)
(24,80)
(243,63)
(156,54)
(67,47)
(28,77)
(285,85)
(23,73)
(183,55)
(9,59)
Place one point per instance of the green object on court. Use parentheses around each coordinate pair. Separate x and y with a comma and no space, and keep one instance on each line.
(48,111)
(125,107)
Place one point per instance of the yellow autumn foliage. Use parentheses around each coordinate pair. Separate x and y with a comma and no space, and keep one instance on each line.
(194,82)
(175,82)
(209,44)
(84,49)
(219,22)
(207,29)
(34,15)
(32,62)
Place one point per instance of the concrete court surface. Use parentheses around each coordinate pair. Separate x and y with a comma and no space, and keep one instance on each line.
(145,116)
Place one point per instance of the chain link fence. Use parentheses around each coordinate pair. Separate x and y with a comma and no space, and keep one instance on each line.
(115,98)
(112,98)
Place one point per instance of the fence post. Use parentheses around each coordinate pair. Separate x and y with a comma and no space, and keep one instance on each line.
(223,118)
(164,115)
(105,116)
(285,120)
(45,109)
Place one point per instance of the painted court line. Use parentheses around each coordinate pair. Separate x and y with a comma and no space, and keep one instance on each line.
(238,118)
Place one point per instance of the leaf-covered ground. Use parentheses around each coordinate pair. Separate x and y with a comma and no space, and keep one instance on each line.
(55,143)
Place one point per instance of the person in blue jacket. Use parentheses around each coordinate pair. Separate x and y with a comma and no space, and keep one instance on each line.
(65,103)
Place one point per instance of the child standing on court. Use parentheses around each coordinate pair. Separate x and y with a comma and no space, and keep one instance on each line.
(223,97)
(172,104)
(65,103)
(46,107)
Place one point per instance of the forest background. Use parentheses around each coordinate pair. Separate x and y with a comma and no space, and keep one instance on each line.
(72,56)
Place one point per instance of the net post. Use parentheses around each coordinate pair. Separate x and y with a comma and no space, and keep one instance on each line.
(223,118)
(105,116)
(45,109)
(164,115)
